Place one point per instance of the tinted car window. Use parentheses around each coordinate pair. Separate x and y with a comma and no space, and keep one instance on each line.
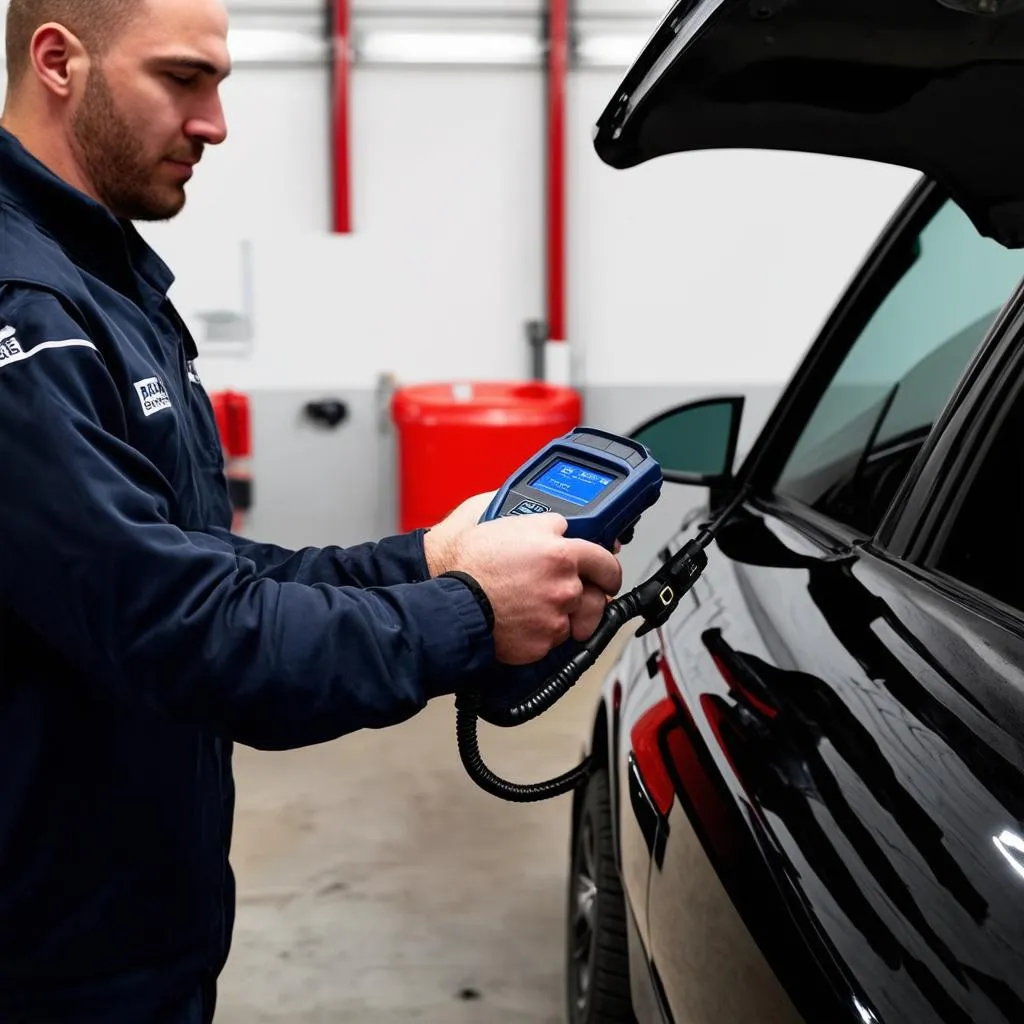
(878,408)
(982,544)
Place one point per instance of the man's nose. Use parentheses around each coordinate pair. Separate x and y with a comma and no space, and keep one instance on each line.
(208,124)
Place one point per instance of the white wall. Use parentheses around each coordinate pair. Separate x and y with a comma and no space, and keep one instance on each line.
(713,266)
(710,267)
(705,268)
(443,268)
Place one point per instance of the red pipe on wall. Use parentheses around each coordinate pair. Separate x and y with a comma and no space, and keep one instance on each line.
(342,198)
(558,70)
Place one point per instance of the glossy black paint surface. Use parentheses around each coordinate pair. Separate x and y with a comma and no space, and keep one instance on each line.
(842,742)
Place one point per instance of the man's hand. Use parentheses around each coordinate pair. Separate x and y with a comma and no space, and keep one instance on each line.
(542,586)
(439,541)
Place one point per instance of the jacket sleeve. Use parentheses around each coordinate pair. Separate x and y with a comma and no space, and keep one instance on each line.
(147,612)
(385,563)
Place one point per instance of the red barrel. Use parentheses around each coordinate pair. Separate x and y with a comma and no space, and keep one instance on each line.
(457,440)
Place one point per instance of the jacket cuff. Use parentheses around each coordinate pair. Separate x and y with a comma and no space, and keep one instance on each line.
(405,557)
(477,591)
(466,646)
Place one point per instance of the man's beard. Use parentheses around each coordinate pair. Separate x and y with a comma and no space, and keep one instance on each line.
(115,161)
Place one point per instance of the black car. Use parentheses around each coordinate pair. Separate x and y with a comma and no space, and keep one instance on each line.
(809,797)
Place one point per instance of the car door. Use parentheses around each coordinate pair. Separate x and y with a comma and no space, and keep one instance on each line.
(637,817)
(810,862)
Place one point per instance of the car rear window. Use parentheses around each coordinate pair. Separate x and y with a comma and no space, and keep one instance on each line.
(875,413)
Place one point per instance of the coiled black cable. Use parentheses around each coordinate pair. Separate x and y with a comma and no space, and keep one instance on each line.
(654,600)
(466,716)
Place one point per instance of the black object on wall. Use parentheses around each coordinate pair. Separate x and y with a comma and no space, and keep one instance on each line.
(328,412)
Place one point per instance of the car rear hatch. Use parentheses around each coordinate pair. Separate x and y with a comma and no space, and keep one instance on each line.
(935,85)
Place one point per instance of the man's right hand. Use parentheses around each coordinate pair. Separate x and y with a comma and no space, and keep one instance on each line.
(542,586)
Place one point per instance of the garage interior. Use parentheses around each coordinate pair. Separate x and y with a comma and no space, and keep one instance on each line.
(453,211)
(376,883)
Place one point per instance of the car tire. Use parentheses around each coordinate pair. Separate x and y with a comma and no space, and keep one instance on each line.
(597,962)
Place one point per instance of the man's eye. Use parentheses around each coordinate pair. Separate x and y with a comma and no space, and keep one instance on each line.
(181,79)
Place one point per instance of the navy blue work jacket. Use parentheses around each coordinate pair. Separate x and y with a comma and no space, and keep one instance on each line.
(139,638)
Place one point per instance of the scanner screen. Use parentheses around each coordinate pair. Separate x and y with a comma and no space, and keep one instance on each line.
(572,483)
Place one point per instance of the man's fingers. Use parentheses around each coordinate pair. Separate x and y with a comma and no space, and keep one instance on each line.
(597,566)
(543,522)
(587,616)
(557,523)
(477,505)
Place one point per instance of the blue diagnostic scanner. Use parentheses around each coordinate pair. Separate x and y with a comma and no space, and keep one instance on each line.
(600,482)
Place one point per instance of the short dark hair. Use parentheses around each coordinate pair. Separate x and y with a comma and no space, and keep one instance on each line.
(95,22)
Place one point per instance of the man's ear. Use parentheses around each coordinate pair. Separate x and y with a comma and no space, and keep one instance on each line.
(57,58)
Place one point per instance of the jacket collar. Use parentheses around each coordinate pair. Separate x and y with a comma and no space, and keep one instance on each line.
(94,239)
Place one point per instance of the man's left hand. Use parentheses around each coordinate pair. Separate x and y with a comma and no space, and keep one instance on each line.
(441,540)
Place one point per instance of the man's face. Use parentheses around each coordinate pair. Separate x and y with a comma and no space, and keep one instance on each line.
(151,105)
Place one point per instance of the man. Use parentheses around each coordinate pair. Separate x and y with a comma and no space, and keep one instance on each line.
(138,636)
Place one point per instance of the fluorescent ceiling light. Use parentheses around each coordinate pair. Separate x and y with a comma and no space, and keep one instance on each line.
(609,51)
(258,45)
(275,46)
(384,47)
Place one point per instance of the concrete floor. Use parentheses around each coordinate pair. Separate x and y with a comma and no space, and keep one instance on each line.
(377,884)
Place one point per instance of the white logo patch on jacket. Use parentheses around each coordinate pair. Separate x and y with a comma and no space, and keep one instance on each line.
(9,347)
(152,395)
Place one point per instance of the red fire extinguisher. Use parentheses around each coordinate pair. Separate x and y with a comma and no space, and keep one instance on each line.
(234,422)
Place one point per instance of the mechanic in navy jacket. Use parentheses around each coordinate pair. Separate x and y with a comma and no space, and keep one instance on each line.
(138,636)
